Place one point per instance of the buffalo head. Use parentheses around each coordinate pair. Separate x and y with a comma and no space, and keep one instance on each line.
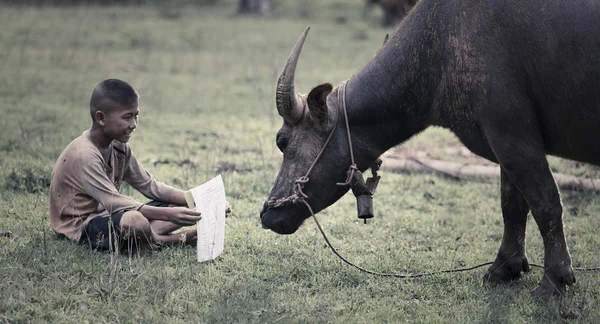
(308,119)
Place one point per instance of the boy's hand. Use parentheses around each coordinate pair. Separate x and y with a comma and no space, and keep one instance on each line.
(183,216)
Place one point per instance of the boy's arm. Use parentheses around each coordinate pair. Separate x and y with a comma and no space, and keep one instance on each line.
(144,182)
(97,185)
(140,179)
(177,197)
(178,215)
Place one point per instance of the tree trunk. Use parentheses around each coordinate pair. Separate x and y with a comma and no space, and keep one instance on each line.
(260,7)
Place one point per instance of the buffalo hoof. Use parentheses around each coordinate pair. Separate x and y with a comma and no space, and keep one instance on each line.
(554,283)
(507,270)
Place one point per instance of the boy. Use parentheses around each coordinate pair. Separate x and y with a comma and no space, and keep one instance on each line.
(85,203)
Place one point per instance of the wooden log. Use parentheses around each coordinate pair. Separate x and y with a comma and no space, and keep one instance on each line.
(465,171)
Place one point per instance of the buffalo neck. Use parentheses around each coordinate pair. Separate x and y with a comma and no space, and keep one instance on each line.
(389,99)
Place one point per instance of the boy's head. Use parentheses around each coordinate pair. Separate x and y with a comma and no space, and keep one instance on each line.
(114,107)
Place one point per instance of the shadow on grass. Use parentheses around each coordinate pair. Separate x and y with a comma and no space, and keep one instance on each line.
(508,302)
(502,299)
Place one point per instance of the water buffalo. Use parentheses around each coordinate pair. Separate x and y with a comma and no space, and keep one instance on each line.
(393,10)
(514,80)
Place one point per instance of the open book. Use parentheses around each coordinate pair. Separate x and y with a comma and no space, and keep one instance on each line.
(209,199)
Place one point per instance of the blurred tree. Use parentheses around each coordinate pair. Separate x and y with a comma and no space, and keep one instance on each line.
(254,6)
(393,10)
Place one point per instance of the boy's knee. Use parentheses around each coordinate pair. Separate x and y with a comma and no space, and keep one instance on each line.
(134,221)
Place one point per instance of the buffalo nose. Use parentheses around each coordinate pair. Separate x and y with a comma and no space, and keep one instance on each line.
(264,209)
(262,213)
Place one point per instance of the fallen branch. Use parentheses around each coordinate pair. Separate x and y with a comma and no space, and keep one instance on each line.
(471,172)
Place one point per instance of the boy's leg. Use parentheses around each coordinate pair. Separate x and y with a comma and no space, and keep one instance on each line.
(188,237)
(134,228)
(162,231)
(135,225)
(119,230)
(163,227)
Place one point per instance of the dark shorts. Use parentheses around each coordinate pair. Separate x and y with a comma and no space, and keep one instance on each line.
(102,233)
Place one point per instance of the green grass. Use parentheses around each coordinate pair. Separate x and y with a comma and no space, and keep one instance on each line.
(207,82)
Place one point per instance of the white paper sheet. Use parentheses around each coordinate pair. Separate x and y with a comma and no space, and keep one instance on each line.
(209,200)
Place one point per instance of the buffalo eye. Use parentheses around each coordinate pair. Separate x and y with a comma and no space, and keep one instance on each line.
(281,143)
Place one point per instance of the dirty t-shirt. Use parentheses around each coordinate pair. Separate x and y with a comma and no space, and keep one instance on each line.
(85,186)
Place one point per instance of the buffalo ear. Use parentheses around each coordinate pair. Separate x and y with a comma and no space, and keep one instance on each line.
(317,103)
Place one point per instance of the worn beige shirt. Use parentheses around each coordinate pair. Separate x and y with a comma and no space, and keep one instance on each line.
(85,186)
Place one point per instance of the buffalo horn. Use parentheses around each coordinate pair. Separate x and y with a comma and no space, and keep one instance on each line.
(288,104)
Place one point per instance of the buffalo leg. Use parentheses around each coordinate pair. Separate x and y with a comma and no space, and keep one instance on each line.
(511,260)
(519,147)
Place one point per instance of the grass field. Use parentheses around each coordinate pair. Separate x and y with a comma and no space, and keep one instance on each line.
(207,82)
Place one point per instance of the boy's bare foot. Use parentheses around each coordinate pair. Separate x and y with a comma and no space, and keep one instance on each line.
(189,237)
(141,247)
(153,247)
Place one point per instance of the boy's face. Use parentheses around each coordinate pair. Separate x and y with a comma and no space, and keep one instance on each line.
(121,122)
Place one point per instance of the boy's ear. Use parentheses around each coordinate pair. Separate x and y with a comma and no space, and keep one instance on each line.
(100,118)
(317,103)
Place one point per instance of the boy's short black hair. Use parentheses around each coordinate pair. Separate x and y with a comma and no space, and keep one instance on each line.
(111,93)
